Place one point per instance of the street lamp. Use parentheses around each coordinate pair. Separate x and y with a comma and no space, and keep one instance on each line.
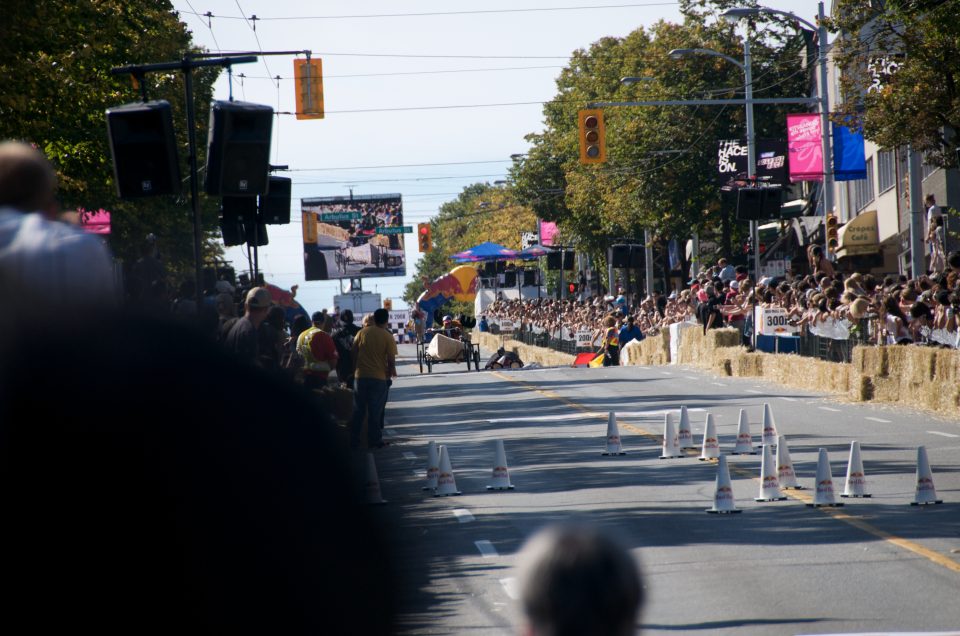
(751,137)
(825,143)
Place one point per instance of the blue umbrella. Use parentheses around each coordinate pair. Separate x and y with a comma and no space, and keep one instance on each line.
(534,252)
(485,252)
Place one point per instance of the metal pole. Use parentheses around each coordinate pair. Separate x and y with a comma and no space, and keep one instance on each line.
(194,185)
(563,286)
(751,146)
(825,141)
(648,259)
(917,257)
(695,256)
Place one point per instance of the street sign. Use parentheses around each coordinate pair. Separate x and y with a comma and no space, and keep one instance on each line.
(340,216)
(405,229)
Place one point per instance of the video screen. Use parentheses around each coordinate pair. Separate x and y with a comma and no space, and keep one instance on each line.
(353,237)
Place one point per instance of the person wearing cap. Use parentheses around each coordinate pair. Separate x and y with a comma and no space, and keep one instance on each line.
(241,339)
(318,351)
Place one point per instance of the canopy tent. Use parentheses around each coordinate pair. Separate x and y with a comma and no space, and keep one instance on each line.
(534,252)
(486,251)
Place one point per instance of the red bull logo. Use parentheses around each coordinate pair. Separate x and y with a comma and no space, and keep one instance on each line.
(825,486)
(769,480)
(925,483)
(785,470)
(711,442)
(446,479)
(499,472)
(613,439)
(743,437)
(432,473)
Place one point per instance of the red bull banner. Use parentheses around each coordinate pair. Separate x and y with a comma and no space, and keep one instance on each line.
(803,147)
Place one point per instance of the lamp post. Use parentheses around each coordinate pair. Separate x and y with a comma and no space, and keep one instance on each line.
(824,96)
(751,136)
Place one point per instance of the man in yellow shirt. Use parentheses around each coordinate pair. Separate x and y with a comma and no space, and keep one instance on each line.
(375,352)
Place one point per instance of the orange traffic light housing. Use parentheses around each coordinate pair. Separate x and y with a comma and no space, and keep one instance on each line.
(833,233)
(423,238)
(593,136)
(308,82)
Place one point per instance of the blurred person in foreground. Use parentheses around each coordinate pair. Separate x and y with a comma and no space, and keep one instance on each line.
(577,581)
(46,263)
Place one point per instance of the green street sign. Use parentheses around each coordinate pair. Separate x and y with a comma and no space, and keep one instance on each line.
(406,229)
(341,216)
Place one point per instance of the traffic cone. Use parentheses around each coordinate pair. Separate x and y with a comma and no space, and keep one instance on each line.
(684,432)
(501,475)
(373,482)
(671,445)
(723,502)
(614,447)
(433,466)
(856,484)
(769,435)
(446,483)
(744,440)
(785,472)
(824,495)
(926,492)
(769,484)
(711,446)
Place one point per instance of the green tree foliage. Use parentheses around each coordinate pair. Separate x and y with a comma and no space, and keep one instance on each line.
(55,61)
(900,62)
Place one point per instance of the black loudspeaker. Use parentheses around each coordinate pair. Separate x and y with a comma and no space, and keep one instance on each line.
(568,259)
(620,256)
(143,149)
(529,278)
(490,269)
(510,279)
(238,149)
(275,205)
(244,208)
(638,257)
(256,234)
(770,203)
(553,261)
(232,231)
(749,204)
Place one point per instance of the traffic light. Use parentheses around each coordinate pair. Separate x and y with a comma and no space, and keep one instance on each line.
(308,82)
(572,288)
(593,136)
(423,237)
(833,229)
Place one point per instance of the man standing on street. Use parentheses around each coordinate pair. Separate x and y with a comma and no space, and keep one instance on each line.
(343,336)
(318,351)
(242,338)
(375,353)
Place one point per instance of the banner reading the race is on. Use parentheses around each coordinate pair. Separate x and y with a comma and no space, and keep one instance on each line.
(803,147)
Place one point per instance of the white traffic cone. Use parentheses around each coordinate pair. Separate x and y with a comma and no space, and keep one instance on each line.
(769,435)
(744,440)
(785,472)
(684,432)
(501,475)
(769,483)
(373,482)
(711,445)
(824,494)
(614,447)
(856,484)
(926,492)
(433,466)
(446,483)
(723,502)
(671,445)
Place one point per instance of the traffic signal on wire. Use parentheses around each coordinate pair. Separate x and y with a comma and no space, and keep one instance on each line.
(308,80)
(593,136)
(833,237)
(423,237)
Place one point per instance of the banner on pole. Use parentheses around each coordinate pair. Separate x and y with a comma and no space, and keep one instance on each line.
(803,147)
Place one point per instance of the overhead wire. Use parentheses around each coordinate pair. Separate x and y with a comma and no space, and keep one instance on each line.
(399,73)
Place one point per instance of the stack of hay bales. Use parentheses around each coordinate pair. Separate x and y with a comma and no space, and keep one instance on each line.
(923,377)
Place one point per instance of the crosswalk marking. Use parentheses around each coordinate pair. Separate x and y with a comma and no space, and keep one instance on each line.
(463,515)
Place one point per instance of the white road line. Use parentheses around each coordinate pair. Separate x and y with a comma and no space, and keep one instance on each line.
(486,548)
(691,377)
(463,515)
(409,455)
(943,434)
(510,587)
(827,408)
(877,419)
(718,384)
(753,391)
(788,399)
(666,373)
(417,473)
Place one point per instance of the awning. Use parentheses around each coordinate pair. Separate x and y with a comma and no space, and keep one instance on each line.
(859,236)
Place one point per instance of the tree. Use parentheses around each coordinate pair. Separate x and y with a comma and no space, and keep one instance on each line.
(900,63)
(55,61)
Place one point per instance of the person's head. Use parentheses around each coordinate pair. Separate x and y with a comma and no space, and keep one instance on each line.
(300,324)
(953,260)
(930,199)
(609,321)
(816,251)
(346,317)
(225,306)
(576,581)
(276,317)
(257,304)
(327,324)
(722,263)
(380,317)
(28,182)
(317,318)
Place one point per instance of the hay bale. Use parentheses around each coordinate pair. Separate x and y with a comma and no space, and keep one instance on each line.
(748,365)
(918,365)
(886,389)
(862,389)
(946,368)
(722,338)
(723,366)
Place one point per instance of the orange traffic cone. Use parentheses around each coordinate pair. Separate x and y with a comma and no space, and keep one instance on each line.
(711,445)
(744,440)
(856,484)
(373,482)
(926,492)
(446,483)
(501,475)
(671,446)
(824,495)
(770,434)
(433,466)
(614,447)
(723,502)
(785,472)
(684,432)
(769,484)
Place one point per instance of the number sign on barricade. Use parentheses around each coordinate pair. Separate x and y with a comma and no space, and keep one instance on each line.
(584,338)
(507,326)
(772,321)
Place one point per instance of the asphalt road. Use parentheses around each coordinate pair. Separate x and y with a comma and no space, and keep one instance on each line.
(875,565)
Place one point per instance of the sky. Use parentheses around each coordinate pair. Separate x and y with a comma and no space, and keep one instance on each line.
(421,104)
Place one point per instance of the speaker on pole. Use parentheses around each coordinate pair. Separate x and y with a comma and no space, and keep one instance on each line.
(529,277)
(620,256)
(256,234)
(749,204)
(638,257)
(569,259)
(238,149)
(143,149)
(771,202)
(275,204)
(236,215)
(554,261)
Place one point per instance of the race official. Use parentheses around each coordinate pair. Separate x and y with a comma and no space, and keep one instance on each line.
(318,351)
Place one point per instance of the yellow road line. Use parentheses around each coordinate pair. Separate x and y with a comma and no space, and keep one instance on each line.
(797,495)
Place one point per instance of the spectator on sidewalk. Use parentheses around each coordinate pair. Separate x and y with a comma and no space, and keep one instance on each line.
(318,350)
(242,338)
(343,335)
(376,353)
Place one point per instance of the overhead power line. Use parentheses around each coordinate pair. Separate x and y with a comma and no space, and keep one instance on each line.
(401,165)
(461,70)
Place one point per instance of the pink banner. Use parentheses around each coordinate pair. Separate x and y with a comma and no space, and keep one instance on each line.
(548,229)
(803,147)
(95,222)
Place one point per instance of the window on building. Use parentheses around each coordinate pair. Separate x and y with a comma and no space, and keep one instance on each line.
(886,170)
(863,189)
